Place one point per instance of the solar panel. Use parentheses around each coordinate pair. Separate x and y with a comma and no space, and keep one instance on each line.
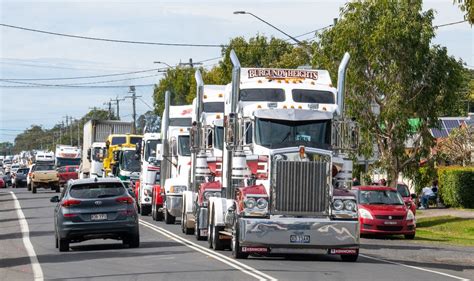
(437,133)
(451,124)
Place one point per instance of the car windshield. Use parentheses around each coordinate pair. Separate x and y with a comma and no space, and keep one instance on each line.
(282,133)
(118,140)
(150,148)
(213,107)
(180,122)
(130,161)
(44,168)
(380,197)
(183,146)
(219,137)
(22,171)
(271,95)
(60,162)
(403,190)
(312,96)
(96,190)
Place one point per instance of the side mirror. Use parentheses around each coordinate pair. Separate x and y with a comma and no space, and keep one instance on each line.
(413,196)
(54,199)
(116,156)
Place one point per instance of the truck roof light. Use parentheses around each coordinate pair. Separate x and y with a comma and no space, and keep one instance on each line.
(284,106)
(324,108)
(279,81)
(300,107)
(287,82)
(259,106)
(292,106)
(218,116)
(259,81)
(221,95)
(312,83)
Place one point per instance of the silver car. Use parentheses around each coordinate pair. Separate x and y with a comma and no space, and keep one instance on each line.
(95,209)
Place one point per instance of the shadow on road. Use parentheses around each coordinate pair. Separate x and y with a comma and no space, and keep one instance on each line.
(439,221)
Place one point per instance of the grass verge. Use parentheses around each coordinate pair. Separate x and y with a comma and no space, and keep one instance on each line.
(446,229)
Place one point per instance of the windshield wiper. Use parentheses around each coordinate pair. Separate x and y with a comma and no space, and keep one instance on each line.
(287,135)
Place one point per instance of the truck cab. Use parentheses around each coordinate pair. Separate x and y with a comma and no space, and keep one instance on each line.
(113,143)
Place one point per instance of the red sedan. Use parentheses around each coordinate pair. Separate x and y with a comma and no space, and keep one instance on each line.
(66,173)
(383,212)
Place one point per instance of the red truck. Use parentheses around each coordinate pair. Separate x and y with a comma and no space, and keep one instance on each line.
(67,173)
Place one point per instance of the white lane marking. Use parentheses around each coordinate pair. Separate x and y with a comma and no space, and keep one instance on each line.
(215,255)
(416,267)
(25,231)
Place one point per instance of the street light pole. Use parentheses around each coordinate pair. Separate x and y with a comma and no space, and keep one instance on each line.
(266,22)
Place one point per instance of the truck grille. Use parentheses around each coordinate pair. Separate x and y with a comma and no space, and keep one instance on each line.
(300,188)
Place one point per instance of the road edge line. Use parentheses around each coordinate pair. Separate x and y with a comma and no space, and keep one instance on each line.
(416,267)
(25,232)
(215,255)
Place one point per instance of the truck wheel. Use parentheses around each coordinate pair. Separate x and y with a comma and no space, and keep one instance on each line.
(28,187)
(197,232)
(209,234)
(169,219)
(33,188)
(63,245)
(159,216)
(153,211)
(236,248)
(349,258)
(187,230)
(217,243)
(56,241)
(58,188)
(145,210)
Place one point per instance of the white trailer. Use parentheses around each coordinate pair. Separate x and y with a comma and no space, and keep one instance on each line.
(93,146)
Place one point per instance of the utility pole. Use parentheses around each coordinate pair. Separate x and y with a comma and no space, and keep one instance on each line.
(109,104)
(69,126)
(78,122)
(134,114)
(117,102)
(61,132)
(190,63)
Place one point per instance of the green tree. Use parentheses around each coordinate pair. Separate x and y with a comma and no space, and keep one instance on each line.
(393,66)
(467,6)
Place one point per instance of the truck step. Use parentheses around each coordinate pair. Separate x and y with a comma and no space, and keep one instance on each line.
(225,235)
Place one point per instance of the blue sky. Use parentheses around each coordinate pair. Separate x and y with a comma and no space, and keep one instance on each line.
(32,55)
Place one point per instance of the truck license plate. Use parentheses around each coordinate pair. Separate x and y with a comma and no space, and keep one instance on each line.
(98,217)
(300,239)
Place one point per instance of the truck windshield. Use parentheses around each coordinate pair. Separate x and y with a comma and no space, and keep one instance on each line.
(118,140)
(135,140)
(282,133)
(98,154)
(380,197)
(312,96)
(219,137)
(150,148)
(213,107)
(60,162)
(130,162)
(180,122)
(183,146)
(273,95)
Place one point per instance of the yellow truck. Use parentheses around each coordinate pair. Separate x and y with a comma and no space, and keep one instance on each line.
(114,144)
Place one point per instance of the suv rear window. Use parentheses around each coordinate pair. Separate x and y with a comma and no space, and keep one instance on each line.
(96,190)
(44,168)
(22,171)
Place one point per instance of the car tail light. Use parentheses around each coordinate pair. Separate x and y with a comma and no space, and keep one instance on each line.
(125,200)
(70,203)
(127,212)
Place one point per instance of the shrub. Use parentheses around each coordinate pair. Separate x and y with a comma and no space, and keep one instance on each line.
(456,186)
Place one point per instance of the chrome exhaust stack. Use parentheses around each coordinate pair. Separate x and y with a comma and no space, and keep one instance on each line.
(341,79)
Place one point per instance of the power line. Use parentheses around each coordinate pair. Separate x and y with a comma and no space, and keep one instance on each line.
(38,86)
(83,77)
(149,106)
(112,40)
(448,24)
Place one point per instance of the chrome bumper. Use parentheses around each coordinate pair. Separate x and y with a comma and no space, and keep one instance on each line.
(174,204)
(299,233)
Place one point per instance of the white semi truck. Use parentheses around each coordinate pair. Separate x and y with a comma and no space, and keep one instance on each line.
(176,163)
(66,155)
(286,172)
(207,136)
(93,146)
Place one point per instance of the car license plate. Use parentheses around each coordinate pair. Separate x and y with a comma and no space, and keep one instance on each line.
(300,239)
(98,217)
(390,222)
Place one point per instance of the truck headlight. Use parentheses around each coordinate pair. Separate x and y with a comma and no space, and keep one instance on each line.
(250,203)
(338,205)
(349,205)
(262,203)
(363,213)
(208,195)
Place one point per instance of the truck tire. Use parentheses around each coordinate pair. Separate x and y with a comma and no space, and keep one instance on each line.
(153,212)
(187,230)
(349,258)
(58,188)
(209,234)
(197,232)
(28,187)
(217,243)
(33,188)
(169,219)
(63,245)
(145,210)
(236,248)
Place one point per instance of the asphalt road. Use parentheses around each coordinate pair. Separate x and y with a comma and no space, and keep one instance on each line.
(166,253)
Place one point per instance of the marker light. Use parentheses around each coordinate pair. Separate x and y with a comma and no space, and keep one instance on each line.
(218,116)
(205,96)
(221,95)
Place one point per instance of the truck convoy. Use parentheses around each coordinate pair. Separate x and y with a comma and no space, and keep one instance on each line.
(286,172)
(94,148)
(67,155)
